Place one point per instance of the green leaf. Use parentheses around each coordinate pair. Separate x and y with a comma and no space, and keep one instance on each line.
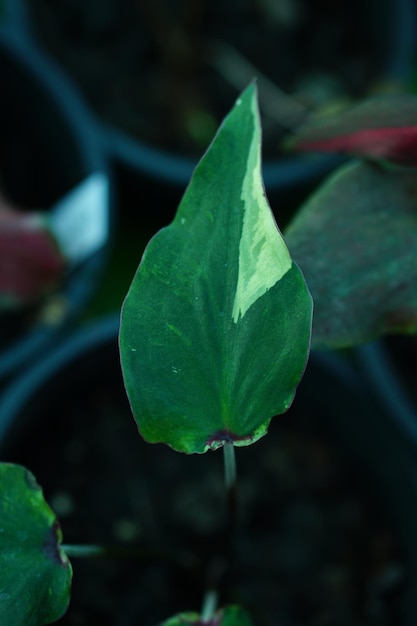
(229,616)
(383,127)
(35,574)
(216,325)
(356,241)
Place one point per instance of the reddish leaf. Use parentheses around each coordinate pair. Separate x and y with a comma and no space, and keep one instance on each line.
(356,243)
(384,127)
(30,262)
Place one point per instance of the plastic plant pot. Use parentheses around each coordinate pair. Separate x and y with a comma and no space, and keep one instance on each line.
(388,365)
(51,159)
(74,398)
(391,41)
(13,15)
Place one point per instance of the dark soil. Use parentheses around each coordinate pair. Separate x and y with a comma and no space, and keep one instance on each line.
(315,546)
(165,71)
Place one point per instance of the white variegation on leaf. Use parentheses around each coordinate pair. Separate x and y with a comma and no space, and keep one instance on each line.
(263,255)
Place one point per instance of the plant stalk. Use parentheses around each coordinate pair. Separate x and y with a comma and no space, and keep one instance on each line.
(209,606)
(87,550)
(230,474)
(181,559)
(230,478)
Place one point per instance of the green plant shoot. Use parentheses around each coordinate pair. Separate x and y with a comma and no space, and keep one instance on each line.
(229,616)
(216,325)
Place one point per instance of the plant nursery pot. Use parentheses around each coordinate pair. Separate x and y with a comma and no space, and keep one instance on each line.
(326,500)
(13,15)
(160,104)
(51,159)
(389,366)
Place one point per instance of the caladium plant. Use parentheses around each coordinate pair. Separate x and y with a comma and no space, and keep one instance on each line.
(35,575)
(214,338)
(382,127)
(215,297)
(356,237)
(215,329)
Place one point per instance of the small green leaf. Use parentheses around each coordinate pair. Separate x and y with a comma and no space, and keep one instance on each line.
(229,616)
(35,574)
(216,326)
(356,241)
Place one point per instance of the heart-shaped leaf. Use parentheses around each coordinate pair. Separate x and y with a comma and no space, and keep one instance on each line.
(356,241)
(215,328)
(35,574)
(383,127)
(229,616)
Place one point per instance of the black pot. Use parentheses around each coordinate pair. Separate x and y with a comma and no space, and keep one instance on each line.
(390,39)
(50,147)
(389,365)
(288,490)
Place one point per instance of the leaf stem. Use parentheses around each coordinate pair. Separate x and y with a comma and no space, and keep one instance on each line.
(86,550)
(230,478)
(180,558)
(230,475)
(209,606)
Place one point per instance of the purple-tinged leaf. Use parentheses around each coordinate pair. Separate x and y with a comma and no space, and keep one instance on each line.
(356,242)
(383,127)
(30,261)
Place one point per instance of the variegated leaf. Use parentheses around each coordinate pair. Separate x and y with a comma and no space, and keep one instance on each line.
(215,328)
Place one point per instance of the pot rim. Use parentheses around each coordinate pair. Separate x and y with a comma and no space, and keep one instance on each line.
(81,283)
(285,173)
(391,463)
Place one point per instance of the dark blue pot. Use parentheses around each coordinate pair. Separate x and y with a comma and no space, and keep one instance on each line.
(392,41)
(53,147)
(389,367)
(15,16)
(392,45)
(78,356)
(331,392)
